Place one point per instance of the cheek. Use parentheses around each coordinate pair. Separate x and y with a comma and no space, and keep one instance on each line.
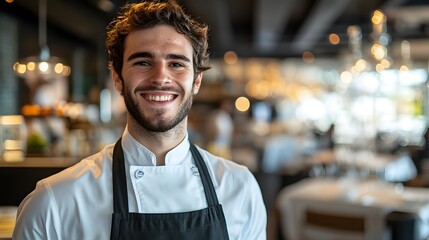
(131,80)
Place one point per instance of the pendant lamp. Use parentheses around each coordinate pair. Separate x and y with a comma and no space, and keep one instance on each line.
(44,68)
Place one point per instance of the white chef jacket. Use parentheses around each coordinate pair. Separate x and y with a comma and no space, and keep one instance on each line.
(77,203)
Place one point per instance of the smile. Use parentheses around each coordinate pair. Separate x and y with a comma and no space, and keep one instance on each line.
(159,98)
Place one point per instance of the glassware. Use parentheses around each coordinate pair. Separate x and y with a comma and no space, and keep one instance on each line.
(13,138)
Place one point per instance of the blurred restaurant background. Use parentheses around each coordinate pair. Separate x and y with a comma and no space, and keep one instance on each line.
(325,101)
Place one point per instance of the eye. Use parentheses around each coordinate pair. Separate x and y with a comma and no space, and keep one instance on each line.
(141,63)
(177,64)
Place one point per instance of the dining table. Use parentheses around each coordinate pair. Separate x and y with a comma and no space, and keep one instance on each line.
(372,198)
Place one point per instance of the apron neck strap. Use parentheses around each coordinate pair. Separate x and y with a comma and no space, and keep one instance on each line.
(120,196)
(205,177)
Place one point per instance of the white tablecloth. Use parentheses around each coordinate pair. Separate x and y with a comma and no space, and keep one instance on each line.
(371,198)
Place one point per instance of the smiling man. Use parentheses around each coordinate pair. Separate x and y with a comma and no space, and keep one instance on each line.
(153,183)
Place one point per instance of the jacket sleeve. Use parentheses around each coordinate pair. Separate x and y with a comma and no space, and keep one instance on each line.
(256,226)
(38,216)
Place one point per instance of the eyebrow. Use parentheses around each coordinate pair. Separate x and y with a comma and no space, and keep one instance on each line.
(150,55)
(140,55)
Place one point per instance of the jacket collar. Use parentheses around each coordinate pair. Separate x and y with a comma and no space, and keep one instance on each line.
(137,154)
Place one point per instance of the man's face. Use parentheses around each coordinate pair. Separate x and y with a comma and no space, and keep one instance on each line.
(158,77)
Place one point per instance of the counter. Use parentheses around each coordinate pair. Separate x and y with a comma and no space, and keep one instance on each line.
(18,179)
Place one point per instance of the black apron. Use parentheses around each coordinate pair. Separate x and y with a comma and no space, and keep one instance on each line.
(208,223)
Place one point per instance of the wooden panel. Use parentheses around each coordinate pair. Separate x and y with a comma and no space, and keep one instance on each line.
(334,221)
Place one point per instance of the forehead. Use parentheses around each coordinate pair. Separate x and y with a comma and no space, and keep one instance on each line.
(159,40)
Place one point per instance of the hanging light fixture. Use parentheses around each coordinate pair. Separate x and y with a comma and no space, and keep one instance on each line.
(381,40)
(43,68)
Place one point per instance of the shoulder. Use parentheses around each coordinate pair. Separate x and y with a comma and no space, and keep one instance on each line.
(71,182)
(92,166)
(63,199)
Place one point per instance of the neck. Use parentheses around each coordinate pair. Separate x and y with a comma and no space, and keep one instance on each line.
(159,143)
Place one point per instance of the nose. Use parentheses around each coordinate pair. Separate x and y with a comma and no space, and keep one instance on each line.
(160,74)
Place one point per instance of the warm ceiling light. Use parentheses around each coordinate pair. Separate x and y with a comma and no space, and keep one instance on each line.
(378,17)
(42,68)
(230,57)
(404,68)
(308,57)
(242,104)
(379,67)
(334,39)
(385,63)
(31,66)
(378,51)
(360,65)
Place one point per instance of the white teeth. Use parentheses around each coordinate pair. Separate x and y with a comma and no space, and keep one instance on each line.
(158,98)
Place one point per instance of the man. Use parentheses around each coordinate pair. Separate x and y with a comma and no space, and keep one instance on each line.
(153,183)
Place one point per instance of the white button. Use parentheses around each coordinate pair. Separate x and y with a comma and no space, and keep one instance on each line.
(138,174)
(195,171)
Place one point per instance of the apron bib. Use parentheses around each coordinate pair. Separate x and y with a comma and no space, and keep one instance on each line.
(208,223)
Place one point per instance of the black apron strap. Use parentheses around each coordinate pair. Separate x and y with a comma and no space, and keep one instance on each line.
(205,177)
(120,196)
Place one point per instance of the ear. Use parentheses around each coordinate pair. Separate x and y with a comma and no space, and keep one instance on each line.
(197,83)
(117,81)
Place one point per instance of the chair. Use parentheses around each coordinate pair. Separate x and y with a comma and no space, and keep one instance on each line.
(402,225)
(320,221)
(321,225)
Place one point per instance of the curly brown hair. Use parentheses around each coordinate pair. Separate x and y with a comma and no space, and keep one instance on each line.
(143,15)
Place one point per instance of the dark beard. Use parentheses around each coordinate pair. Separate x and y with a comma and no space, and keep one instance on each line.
(160,126)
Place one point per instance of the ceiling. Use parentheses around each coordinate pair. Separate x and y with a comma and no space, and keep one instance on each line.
(252,28)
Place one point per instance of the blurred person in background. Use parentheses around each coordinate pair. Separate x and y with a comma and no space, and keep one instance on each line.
(286,147)
(220,129)
(153,183)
